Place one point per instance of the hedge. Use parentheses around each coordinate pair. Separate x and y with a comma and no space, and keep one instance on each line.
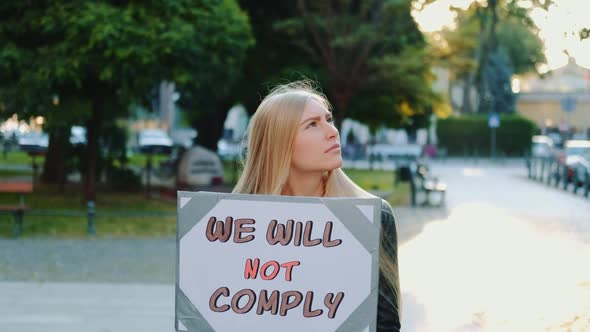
(470,135)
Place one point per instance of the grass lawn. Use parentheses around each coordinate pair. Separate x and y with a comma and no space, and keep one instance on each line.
(141,159)
(19,158)
(64,215)
(13,173)
(22,158)
(133,215)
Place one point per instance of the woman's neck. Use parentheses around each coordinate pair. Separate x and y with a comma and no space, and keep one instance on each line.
(304,184)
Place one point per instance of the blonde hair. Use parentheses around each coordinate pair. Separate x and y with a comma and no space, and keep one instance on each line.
(269,141)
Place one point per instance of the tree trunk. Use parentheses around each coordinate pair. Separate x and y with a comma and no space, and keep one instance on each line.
(493,6)
(210,128)
(466,107)
(92,133)
(450,95)
(340,99)
(54,166)
(481,54)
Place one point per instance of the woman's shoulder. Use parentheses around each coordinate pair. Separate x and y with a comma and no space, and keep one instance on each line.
(386,207)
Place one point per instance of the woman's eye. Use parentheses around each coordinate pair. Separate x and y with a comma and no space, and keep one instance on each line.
(312,124)
(330,119)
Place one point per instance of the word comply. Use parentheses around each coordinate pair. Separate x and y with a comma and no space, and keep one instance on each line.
(275,302)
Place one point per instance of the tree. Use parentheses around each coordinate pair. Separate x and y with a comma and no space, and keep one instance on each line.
(502,28)
(110,53)
(361,45)
(496,91)
(522,44)
(456,49)
(272,60)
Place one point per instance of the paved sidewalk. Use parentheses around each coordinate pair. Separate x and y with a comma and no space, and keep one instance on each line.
(88,307)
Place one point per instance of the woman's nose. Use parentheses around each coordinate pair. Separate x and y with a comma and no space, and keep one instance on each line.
(331,130)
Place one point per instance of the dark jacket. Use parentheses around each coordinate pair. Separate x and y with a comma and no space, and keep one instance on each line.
(389,303)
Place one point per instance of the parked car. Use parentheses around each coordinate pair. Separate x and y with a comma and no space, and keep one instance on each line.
(228,150)
(580,167)
(77,135)
(34,142)
(556,138)
(154,141)
(542,146)
(571,154)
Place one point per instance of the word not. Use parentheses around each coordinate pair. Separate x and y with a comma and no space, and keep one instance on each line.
(274,303)
(252,269)
(298,233)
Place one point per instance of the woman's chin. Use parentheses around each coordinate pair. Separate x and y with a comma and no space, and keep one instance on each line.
(336,164)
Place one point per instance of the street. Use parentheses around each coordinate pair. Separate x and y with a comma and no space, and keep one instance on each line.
(510,254)
(507,254)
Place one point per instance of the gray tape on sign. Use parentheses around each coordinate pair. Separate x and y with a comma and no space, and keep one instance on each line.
(356,222)
(190,317)
(193,210)
(359,319)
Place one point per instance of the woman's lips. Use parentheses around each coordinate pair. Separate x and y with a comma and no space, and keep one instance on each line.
(335,146)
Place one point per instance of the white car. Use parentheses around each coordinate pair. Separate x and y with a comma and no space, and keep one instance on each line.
(154,141)
(34,142)
(542,146)
(229,150)
(581,166)
(77,135)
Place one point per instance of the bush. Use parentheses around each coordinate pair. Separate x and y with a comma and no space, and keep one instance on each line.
(471,135)
(124,179)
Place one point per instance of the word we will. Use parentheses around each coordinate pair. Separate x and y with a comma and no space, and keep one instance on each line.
(298,232)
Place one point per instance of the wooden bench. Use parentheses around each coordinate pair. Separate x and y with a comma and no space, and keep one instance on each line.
(423,181)
(17,210)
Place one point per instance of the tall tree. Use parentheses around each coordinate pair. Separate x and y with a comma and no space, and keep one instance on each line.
(483,33)
(496,91)
(273,59)
(110,53)
(359,44)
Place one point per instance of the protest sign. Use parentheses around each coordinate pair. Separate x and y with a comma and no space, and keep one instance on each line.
(276,263)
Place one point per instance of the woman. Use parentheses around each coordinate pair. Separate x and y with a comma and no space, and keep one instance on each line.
(293,148)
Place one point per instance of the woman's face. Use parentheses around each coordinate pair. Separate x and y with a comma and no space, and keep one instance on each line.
(317,142)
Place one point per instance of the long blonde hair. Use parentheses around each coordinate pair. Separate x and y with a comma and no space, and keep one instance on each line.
(269,142)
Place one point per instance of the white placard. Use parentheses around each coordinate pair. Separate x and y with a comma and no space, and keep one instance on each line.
(238,273)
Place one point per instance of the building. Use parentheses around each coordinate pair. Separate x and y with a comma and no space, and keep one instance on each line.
(559,99)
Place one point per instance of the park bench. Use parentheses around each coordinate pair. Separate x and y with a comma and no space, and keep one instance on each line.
(17,210)
(421,180)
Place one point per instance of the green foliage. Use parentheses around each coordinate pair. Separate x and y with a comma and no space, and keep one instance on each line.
(274,59)
(457,52)
(523,45)
(100,56)
(67,47)
(372,54)
(124,180)
(515,33)
(470,134)
(495,91)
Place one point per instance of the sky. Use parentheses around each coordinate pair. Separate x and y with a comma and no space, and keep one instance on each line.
(559,27)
